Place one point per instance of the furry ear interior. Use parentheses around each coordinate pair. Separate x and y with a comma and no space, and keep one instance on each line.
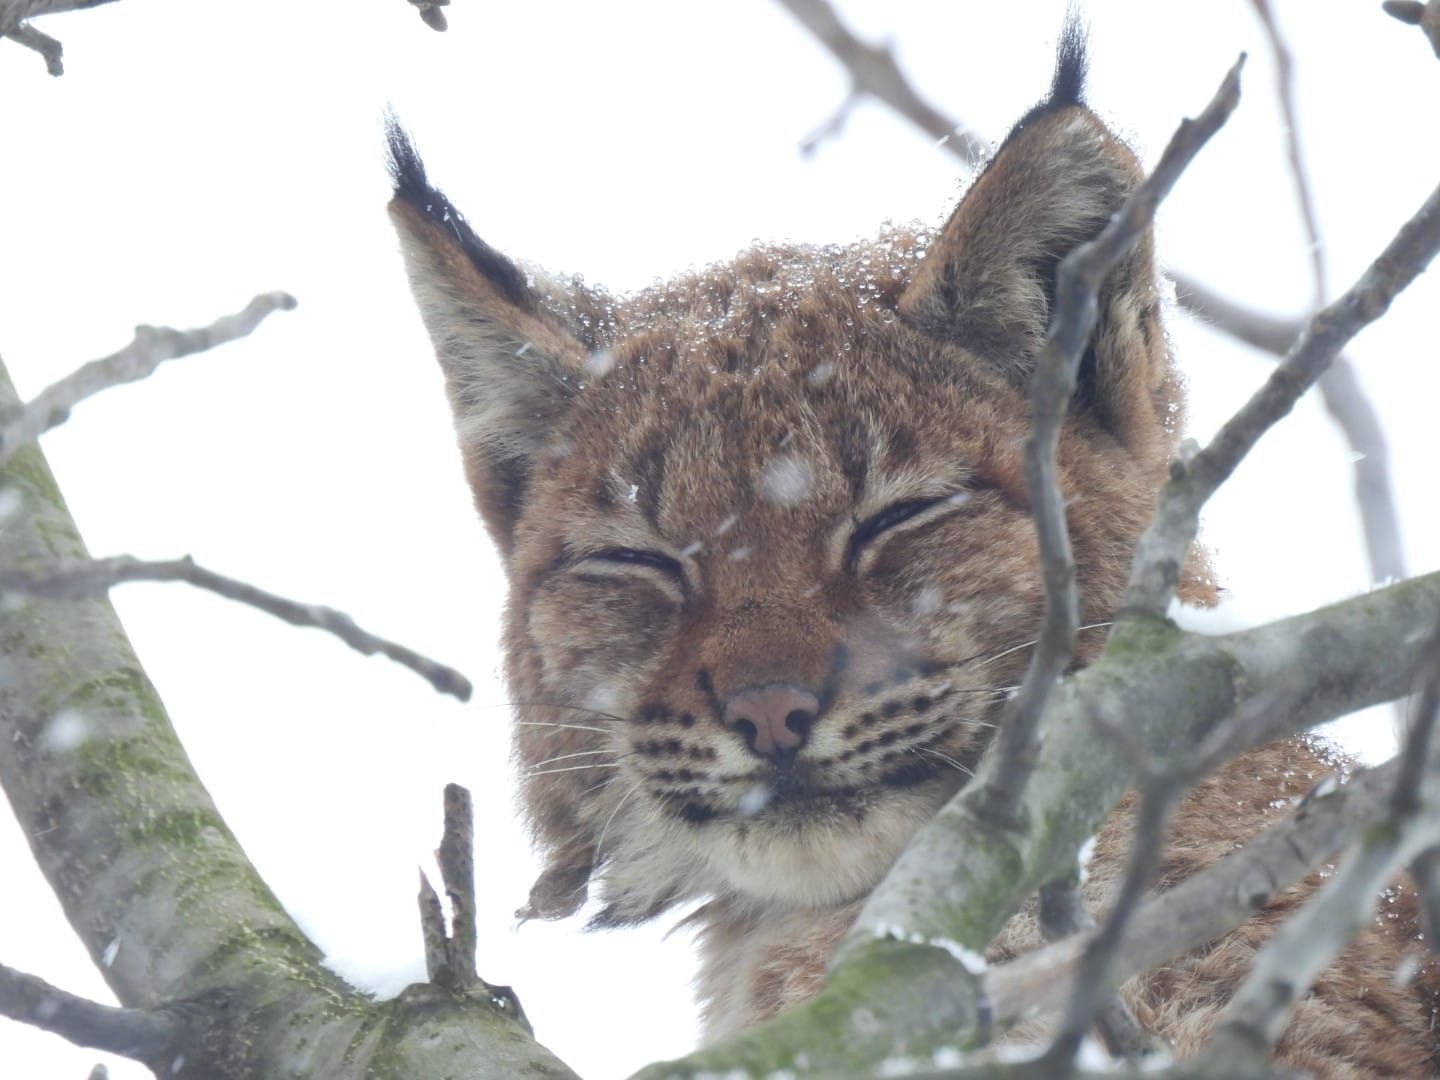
(988,281)
(510,366)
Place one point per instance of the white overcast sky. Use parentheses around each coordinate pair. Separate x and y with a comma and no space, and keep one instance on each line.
(195,154)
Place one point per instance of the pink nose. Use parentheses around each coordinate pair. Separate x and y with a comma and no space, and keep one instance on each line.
(774,720)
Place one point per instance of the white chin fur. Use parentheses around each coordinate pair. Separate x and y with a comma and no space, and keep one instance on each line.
(817,863)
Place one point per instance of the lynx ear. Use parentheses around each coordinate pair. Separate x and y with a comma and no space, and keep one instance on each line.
(988,281)
(510,366)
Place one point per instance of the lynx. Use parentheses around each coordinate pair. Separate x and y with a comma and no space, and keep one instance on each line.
(772,572)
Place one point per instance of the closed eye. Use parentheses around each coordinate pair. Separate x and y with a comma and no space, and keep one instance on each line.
(663,571)
(657,560)
(910,512)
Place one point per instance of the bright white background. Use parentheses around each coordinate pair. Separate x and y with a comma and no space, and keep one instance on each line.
(195,154)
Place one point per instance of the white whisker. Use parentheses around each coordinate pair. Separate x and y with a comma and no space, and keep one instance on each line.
(567,727)
(599,848)
(943,757)
(566,757)
(574,768)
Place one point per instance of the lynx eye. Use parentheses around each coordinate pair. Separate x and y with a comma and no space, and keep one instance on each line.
(656,560)
(905,512)
(661,570)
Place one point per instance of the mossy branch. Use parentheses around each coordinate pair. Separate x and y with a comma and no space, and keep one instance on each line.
(151,878)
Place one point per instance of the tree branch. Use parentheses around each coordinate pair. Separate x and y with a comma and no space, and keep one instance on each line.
(93,576)
(127,836)
(13,14)
(152,346)
(1077,286)
(1425,16)
(1163,547)
(431,13)
(134,1033)
(874,73)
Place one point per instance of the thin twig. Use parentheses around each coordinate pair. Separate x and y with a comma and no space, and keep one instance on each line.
(152,346)
(1063,914)
(91,576)
(1425,16)
(13,14)
(134,1033)
(1077,286)
(1166,542)
(873,72)
(1285,92)
(431,14)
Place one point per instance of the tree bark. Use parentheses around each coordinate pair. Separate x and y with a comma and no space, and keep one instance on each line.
(153,881)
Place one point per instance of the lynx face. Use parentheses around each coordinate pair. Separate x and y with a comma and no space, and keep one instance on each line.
(771,564)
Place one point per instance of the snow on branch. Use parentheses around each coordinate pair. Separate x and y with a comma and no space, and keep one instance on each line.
(134,1033)
(1193,481)
(151,347)
(1077,286)
(88,577)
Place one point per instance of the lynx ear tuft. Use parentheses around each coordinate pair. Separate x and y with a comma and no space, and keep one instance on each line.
(510,366)
(988,282)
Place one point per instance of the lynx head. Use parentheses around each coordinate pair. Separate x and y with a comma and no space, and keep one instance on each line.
(771,565)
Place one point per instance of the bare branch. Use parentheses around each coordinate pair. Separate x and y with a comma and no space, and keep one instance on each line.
(13,14)
(152,346)
(431,14)
(90,577)
(432,930)
(134,1033)
(1285,91)
(457,869)
(874,72)
(1163,548)
(1077,286)
(1425,16)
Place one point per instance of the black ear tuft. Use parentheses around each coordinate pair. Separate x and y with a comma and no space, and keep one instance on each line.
(1072,66)
(407,173)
